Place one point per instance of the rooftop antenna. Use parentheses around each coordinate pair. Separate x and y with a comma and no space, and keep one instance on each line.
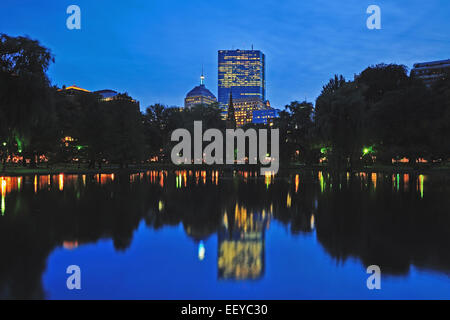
(202,78)
(252,47)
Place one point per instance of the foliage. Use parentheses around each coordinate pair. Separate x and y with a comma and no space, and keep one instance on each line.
(383,114)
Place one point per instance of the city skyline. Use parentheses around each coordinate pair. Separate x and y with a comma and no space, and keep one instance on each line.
(119,46)
(310,159)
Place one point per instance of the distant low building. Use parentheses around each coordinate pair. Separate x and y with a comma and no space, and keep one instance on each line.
(104,95)
(265,116)
(107,94)
(111,95)
(199,95)
(432,71)
(73,90)
(244,109)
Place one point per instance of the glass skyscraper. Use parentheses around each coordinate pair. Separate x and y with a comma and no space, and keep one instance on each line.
(243,73)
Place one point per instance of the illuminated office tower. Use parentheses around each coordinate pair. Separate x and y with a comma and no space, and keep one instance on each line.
(241,244)
(243,72)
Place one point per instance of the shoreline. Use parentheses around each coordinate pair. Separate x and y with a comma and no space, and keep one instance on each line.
(26,171)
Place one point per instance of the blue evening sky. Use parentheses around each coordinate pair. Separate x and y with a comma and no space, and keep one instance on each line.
(154,50)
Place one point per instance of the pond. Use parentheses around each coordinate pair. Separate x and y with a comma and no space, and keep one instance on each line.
(225,235)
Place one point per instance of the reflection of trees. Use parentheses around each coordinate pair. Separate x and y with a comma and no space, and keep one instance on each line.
(37,224)
(197,208)
(393,229)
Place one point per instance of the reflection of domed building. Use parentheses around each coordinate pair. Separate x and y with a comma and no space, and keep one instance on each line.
(199,95)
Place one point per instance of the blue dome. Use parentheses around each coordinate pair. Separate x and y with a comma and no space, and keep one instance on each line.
(107,93)
(200,91)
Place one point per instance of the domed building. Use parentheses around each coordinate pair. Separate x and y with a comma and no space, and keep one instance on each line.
(199,95)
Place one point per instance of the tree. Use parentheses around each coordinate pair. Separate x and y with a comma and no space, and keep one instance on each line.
(25,95)
(159,121)
(296,126)
(125,141)
(401,123)
(333,85)
(439,110)
(382,78)
(339,121)
(93,126)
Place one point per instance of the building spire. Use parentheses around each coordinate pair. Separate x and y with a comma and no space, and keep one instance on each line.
(231,118)
(202,78)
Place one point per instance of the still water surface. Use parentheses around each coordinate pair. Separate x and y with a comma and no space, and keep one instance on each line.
(216,235)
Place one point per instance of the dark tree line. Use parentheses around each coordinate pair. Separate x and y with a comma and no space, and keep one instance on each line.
(383,114)
(38,120)
(41,122)
(161,121)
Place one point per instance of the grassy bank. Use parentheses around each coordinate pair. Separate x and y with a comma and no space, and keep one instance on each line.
(75,169)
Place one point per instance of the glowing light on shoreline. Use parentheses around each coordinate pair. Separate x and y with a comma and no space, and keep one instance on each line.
(421,180)
(161,179)
(204,177)
(70,245)
(61,182)
(179,180)
(374,181)
(3,189)
(322,182)
(3,206)
(268,179)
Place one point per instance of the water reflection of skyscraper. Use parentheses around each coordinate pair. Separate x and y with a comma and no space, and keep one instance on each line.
(241,244)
